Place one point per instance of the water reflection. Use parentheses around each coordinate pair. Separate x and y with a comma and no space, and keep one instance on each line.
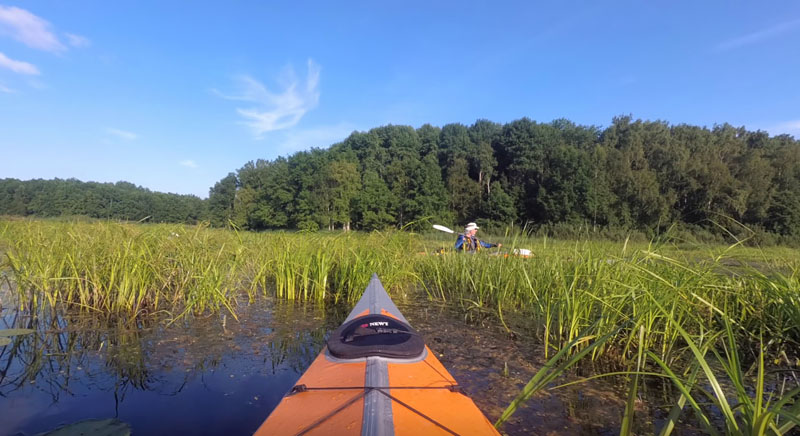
(207,375)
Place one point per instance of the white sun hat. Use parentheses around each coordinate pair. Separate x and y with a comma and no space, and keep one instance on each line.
(471,226)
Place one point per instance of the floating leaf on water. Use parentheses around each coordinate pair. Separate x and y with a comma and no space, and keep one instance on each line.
(4,341)
(15,332)
(96,427)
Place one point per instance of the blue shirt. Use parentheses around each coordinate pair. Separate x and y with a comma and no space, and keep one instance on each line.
(471,243)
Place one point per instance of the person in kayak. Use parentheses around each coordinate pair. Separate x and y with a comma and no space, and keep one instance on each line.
(468,242)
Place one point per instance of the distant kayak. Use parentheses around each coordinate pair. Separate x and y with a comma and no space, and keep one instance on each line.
(376,376)
(517,252)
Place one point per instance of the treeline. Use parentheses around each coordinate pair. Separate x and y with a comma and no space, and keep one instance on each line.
(121,200)
(631,175)
(634,174)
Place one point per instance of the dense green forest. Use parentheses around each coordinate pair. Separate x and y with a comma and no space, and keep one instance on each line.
(121,200)
(633,174)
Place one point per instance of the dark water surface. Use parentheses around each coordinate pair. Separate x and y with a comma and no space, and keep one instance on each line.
(216,375)
(211,375)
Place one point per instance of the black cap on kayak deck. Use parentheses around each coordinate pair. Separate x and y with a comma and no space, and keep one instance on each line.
(375,335)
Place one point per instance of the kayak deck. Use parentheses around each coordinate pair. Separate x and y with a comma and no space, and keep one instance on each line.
(376,395)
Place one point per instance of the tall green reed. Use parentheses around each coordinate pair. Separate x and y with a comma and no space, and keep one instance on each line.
(568,288)
(135,269)
(129,270)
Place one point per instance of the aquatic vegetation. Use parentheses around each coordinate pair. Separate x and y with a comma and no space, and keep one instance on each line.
(565,290)
(76,362)
(704,383)
(6,334)
(128,270)
(552,369)
(650,309)
(755,411)
(657,310)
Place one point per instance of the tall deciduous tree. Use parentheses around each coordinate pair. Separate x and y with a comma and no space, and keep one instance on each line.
(372,204)
(221,199)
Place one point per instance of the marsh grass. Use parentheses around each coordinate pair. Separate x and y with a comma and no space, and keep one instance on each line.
(564,290)
(753,409)
(127,270)
(644,307)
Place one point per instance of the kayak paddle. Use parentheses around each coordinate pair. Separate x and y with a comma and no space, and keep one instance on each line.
(442,228)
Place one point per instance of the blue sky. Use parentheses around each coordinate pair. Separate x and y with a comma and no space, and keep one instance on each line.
(174,95)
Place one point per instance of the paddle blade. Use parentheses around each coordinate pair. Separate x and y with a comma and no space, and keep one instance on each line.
(442,228)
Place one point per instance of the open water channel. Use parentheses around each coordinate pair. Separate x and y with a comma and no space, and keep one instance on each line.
(215,375)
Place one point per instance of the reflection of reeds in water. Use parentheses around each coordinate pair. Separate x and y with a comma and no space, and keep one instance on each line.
(299,333)
(69,351)
(295,350)
(64,349)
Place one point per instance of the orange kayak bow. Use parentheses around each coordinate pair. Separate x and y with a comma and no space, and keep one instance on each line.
(376,377)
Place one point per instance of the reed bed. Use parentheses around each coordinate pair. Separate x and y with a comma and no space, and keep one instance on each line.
(564,293)
(701,320)
(129,270)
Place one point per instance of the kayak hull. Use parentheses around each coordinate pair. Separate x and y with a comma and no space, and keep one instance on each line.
(376,395)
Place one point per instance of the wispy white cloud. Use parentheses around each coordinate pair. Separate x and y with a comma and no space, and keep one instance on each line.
(128,136)
(277,110)
(188,163)
(5,89)
(29,29)
(18,66)
(761,35)
(77,40)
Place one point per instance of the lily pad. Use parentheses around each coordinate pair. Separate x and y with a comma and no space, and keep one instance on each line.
(14,332)
(95,427)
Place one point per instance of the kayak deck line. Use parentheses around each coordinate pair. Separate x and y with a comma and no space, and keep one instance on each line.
(376,377)
(366,391)
(330,415)
(303,388)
